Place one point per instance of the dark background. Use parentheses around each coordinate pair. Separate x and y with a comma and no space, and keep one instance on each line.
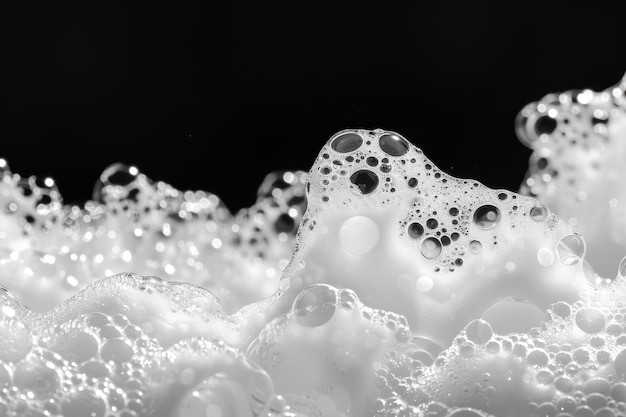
(215,98)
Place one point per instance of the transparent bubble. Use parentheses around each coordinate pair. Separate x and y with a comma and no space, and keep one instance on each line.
(315,305)
(393,144)
(365,181)
(431,247)
(545,257)
(590,320)
(116,350)
(415,230)
(347,299)
(347,142)
(465,412)
(621,269)
(478,331)
(538,213)
(83,403)
(36,376)
(487,217)
(571,249)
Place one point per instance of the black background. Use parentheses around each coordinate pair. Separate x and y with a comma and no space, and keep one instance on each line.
(208,97)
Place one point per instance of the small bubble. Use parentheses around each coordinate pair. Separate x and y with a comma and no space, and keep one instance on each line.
(571,249)
(347,142)
(487,217)
(431,247)
(545,257)
(478,331)
(415,230)
(315,305)
(475,246)
(538,213)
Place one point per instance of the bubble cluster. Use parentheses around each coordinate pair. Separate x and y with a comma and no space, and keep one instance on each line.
(375,285)
(577,168)
(414,240)
(50,251)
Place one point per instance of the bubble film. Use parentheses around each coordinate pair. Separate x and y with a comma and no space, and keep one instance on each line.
(375,285)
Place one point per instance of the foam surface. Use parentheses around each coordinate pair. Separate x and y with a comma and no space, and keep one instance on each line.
(405,292)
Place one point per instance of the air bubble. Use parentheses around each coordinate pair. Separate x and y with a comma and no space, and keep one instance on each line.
(315,305)
(590,320)
(621,269)
(365,180)
(478,331)
(487,217)
(475,247)
(538,213)
(347,142)
(358,235)
(415,230)
(116,350)
(465,412)
(431,247)
(393,144)
(545,257)
(570,249)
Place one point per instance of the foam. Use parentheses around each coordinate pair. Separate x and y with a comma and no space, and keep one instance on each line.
(577,166)
(405,292)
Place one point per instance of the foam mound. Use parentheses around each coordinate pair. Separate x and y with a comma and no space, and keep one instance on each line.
(577,165)
(400,291)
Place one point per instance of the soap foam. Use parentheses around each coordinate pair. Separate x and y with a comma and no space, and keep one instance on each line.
(406,292)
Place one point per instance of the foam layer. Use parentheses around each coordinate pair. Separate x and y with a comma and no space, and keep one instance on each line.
(406,292)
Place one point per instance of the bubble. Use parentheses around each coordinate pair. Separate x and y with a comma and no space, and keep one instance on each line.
(359,235)
(415,230)
(431,247)
(348,299)
(393,144)
(83,403)
(545,125)
(347,142)
(36,376)
(571,249)
(478,331)
(487,217)
(538,213)
(465,412)
(424,283)
(620,365)
(621,269)
(545,257)
(116,350)
(475,247)
(538,357)
(115,182)
(365,180)
(590,320)
(315,305)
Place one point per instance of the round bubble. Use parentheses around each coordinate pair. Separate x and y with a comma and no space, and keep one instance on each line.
(393,144)
(365,180)
(359,235)
(315,305)
(538,213)
(431,247)
(347,142)
(570,249)
(590,320)
(478,331)
(487,217)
